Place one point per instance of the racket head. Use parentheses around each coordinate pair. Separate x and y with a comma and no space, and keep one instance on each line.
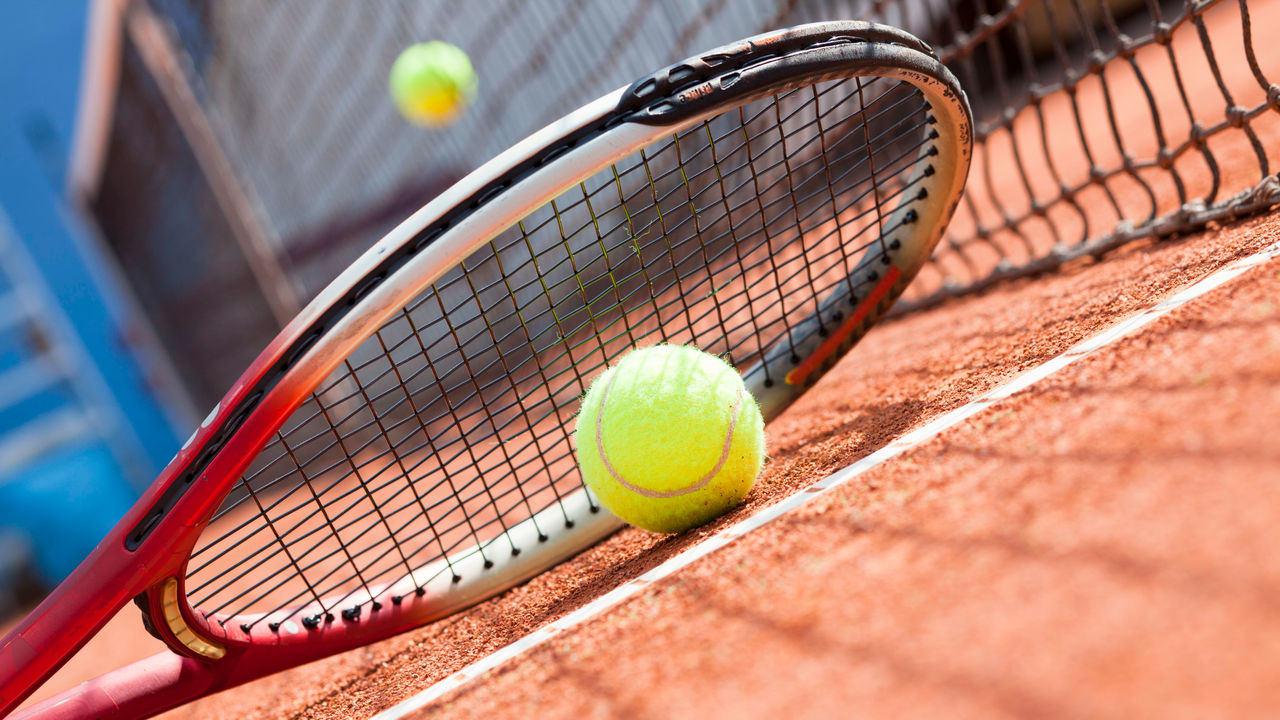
(502,212)
(683,154)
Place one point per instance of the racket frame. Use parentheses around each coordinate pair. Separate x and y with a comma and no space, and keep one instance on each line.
(146,554)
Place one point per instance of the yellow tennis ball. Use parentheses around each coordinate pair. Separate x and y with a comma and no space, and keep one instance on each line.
(669,438)
(432,83)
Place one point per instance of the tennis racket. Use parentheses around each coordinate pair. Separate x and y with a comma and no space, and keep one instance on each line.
(403,450)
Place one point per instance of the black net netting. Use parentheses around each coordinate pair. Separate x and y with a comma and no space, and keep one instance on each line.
(1098,120)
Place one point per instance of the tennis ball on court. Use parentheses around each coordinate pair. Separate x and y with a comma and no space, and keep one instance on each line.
(432,83)
(669,438)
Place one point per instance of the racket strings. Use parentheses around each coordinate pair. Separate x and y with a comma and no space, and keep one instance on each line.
(506,279)
(452,423)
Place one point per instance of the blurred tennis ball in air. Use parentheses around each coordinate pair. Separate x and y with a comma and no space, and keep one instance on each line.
(432,83)
(669,438)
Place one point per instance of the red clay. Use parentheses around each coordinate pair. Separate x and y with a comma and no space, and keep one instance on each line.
(1095,547)
(1099,546)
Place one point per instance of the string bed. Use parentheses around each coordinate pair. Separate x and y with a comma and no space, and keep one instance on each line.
(452,423)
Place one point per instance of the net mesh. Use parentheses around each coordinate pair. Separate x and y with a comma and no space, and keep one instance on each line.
(157,212)
(452,422)
(1098,120)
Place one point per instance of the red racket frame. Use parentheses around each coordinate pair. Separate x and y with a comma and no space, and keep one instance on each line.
(257,405)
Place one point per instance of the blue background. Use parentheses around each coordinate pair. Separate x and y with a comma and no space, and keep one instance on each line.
(66,500)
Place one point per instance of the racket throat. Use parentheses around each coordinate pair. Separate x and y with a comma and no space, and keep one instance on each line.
(170,626)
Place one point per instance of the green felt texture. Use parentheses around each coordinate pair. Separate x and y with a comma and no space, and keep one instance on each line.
(664,414)
(432,83)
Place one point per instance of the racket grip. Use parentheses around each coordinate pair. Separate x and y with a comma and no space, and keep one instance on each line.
(71,614)
(145,688)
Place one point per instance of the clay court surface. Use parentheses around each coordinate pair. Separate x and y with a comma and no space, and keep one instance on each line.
(1101,545)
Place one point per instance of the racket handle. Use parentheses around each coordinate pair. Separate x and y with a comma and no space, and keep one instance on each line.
(64,622)
(145,688)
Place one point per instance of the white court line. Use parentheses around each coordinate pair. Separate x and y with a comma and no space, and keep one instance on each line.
(768,514)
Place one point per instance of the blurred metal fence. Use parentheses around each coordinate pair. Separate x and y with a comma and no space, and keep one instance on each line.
(1098,121)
